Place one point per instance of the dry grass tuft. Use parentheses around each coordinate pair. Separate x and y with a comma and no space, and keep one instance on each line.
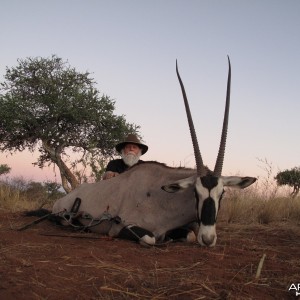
(15,196)
(12,199)
(252,209)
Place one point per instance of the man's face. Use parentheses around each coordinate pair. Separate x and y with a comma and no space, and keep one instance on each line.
(131,148)
(131,154)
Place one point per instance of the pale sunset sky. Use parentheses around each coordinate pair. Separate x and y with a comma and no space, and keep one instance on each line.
(130,47)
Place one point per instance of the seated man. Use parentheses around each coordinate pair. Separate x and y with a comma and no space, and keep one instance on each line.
(131,150)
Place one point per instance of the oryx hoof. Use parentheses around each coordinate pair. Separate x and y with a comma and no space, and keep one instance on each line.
(147,240)
(191,237)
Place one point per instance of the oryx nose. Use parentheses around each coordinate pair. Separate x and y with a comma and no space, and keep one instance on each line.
(208,240)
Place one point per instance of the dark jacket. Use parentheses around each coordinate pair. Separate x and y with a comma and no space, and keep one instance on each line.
(117,165)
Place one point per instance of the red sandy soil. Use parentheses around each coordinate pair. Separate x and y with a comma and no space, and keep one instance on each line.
(47,262)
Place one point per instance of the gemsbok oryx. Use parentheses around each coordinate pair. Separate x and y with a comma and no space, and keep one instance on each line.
(151,201)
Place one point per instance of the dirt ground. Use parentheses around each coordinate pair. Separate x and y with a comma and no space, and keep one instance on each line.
(46,262)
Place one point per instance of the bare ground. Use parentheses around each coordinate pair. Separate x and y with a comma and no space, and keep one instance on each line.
(46,262)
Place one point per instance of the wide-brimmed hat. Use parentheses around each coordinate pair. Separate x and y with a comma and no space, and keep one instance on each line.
(132,139)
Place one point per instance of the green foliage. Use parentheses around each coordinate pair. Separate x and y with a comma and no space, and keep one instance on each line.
(47,105)
(291,178)
(4,169)
(46,99)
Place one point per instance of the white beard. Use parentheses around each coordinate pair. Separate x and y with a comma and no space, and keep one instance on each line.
(130,158)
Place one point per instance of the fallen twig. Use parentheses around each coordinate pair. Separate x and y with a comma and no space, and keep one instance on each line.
(79,236)
(260,265)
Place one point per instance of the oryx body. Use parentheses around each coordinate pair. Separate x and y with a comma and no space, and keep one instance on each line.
(138,198)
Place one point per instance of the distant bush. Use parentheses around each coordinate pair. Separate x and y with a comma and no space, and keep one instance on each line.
(291,178)
(18,194)
(4,169)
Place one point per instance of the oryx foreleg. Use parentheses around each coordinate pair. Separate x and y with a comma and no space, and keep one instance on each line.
(186,233)
(138,234)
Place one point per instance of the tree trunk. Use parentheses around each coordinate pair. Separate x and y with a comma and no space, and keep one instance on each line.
(295,191)
(68,179)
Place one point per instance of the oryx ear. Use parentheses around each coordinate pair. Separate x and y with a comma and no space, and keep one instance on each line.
(238,182)
(179,185)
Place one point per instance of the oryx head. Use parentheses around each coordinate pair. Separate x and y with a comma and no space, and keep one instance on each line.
(208,188)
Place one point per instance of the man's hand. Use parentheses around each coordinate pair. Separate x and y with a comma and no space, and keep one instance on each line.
(110,174)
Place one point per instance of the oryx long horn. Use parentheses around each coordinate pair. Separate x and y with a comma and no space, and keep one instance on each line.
(198,158)
(220,158)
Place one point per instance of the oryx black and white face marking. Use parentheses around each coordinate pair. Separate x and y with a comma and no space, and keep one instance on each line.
(208,194)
